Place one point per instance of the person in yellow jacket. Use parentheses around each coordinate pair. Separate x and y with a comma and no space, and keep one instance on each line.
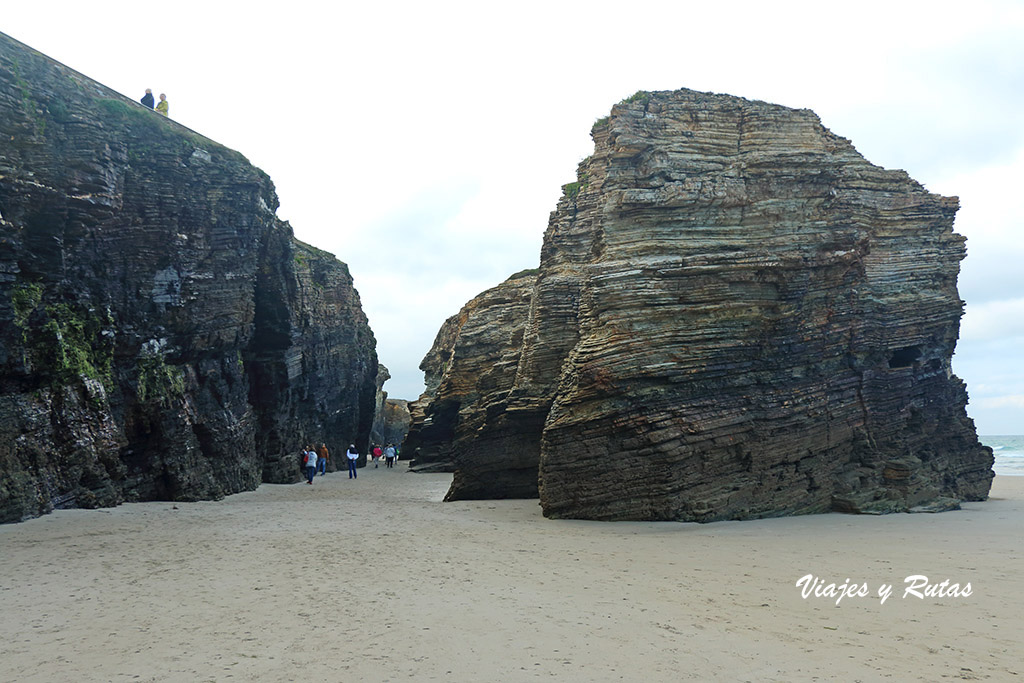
(162,105)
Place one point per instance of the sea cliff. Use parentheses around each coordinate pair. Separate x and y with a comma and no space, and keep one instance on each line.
(163,335)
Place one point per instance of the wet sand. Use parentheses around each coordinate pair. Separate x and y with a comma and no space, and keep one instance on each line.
(375,579)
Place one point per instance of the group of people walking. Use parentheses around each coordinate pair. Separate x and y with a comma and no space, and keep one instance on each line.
(315,460)
(161,107)
(389,453)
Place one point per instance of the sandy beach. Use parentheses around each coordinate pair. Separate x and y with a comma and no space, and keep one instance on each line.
(375,579)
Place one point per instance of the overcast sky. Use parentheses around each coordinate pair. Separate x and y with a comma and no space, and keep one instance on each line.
(425,143)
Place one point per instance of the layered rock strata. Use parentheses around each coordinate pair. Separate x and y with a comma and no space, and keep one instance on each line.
(431,430)
(736,316)
(393,420)
(391,417)
(162,333)
(469,371)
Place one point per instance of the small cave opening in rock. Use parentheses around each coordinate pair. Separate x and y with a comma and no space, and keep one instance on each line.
(905,357)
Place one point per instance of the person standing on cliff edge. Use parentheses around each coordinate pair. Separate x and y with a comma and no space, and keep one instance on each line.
(162,105)
(352,456)
(147,99)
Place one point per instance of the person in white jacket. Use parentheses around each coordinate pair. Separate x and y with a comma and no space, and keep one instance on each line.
(309,460)
(352,455)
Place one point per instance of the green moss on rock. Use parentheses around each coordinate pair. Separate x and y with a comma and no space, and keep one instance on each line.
(70,344)
(25,298)
(159,381)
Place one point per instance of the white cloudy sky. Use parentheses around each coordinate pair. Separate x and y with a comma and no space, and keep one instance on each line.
(426,142)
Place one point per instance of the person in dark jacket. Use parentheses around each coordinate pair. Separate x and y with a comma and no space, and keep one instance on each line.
(147,99)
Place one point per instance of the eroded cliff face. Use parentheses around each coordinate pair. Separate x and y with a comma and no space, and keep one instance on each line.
(391,417)
(392,422)
(469,371)
(738,316)
(162,333)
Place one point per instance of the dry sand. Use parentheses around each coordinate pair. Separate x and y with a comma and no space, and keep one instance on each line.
(376,580)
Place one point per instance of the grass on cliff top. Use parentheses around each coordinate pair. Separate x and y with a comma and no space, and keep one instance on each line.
(130,113)
(310,250)
(144,121)
(641,96)
(317,262)
(528,272)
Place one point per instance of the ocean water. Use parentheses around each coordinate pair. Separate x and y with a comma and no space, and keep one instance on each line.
(1009,454)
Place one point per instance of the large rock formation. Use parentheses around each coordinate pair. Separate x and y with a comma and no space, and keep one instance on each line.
(428,443)
(393,421)
(736,316)
(162,334)
(469,371)
(391,416)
